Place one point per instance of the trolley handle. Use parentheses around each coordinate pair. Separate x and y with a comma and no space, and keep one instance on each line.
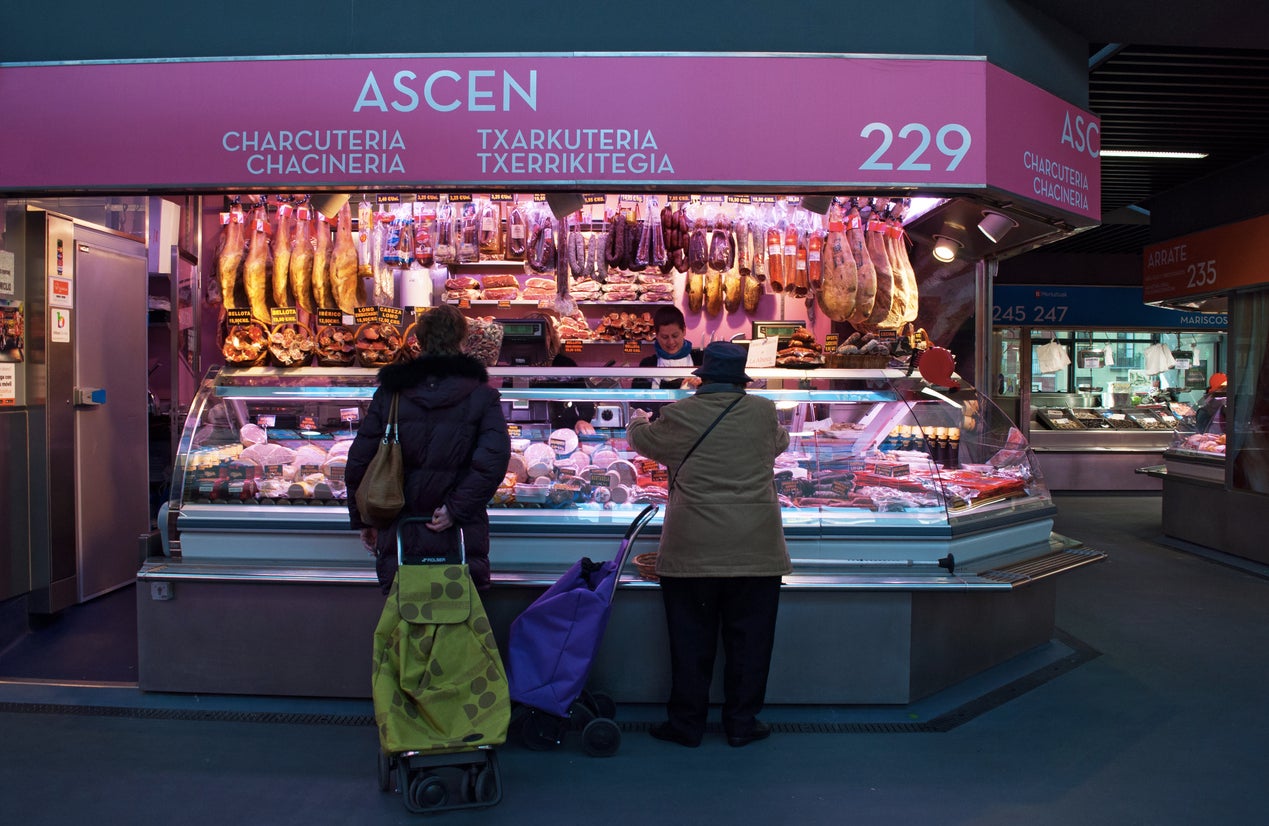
(632,533)
(462,545)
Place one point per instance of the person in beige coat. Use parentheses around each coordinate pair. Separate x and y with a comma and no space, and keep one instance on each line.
(722,549)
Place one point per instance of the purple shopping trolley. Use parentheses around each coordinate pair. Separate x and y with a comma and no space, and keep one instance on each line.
(551,649)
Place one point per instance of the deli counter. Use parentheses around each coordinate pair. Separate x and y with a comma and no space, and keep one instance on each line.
(914,516)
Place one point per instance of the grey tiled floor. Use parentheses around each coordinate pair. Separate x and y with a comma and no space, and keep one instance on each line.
(1168,725)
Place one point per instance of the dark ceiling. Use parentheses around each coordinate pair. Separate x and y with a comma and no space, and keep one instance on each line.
(1207,98)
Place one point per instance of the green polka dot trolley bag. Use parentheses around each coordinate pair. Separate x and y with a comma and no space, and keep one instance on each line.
(439,687)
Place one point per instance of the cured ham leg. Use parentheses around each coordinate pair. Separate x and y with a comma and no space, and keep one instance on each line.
(876,246)
(866,294)
(345,274)
(839,276)
(255,270)
(302,261)
(232,250)
(322,294)
(282,257)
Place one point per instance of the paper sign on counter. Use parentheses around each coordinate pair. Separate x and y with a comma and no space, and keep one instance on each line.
(762,352)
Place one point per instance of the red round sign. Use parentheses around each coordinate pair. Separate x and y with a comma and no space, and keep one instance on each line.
(937,365)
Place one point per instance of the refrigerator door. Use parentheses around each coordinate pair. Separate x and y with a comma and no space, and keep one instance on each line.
(111,427)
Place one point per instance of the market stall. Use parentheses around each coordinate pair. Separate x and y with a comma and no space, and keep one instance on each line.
(1216,475)
(480,181)
(1100,380)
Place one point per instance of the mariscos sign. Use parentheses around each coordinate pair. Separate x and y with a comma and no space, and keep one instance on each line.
(773,122)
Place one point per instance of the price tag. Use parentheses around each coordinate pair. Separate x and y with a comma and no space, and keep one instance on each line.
(632,347)
(504,304)
(274,471)
(601,478)
(513,431)
(349,414)
(284,315)
(790,487)
(365,315)
(464,303)
(831,341)
(335,472)
(646,467)
(309,470)
(266,420)
(572,346)
(329,318)
(238,316)
(842,488)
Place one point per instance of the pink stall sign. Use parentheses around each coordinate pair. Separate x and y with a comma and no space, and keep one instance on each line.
(770,122)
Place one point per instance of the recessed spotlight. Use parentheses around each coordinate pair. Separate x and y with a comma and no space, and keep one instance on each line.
(945,249)
(995,225)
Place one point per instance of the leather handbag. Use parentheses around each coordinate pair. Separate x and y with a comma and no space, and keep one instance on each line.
(381,494)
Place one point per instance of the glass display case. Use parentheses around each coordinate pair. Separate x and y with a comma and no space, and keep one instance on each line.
(1198,445)
(883,471)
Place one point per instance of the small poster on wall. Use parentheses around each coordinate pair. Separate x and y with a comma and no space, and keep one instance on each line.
(7,283)
(12,341)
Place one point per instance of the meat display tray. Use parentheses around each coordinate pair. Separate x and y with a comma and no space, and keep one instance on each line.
(1088,416)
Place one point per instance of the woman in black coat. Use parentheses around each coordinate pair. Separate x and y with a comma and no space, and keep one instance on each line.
(454,446)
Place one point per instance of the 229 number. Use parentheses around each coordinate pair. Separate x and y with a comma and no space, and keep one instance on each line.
(955,150)
(1202,273)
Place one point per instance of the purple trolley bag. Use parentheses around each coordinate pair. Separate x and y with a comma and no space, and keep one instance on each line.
(554,641)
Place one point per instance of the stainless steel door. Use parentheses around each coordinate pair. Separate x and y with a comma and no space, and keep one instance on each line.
(111,437)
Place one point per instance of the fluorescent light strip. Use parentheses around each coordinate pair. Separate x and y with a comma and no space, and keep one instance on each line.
(1144,153)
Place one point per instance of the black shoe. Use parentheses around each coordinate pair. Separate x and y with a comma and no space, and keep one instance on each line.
(667,732)
(760,731)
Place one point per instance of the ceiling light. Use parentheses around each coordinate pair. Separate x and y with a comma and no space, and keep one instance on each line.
(995,225)
(945,249)
(1146,153)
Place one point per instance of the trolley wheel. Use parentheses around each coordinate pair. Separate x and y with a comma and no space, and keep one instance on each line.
(484,785)
(427,791)
(385,771)
(604,705)
(601,737)
(541,732)
(580,714)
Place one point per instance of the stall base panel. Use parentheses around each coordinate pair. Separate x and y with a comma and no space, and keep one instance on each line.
(241,638)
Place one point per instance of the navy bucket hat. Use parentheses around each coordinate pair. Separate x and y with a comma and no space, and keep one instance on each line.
(724,362)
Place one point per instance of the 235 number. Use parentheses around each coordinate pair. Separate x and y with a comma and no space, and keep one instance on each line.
(1202,273)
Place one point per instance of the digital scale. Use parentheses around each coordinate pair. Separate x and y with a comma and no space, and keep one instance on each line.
(523,341)
(782,330)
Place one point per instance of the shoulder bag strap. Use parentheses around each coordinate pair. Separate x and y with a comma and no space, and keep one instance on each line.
(700,439)
(391,433)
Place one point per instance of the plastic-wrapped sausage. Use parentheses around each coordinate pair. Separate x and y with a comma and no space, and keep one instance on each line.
(698,250)
(744,254)
(642,255)
(658,257)
(576,251)
(775,259)
(614,250)
(814,256)
(517,234)
(718,244)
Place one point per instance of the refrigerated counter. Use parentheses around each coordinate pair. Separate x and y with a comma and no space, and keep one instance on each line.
(918,523)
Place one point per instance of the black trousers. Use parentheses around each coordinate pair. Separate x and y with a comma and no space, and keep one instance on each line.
(744,610)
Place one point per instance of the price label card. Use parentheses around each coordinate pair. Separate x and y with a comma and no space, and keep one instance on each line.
(647,467)
(274,471)
(601,478)
(632,347)
(572,346)
(266,420)
(328,318)
(366,315)
(284,315)
(349,414)
(238,316)
(309,470)
(513,431)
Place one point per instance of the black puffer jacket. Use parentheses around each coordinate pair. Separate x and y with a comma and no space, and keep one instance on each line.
(455,449)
